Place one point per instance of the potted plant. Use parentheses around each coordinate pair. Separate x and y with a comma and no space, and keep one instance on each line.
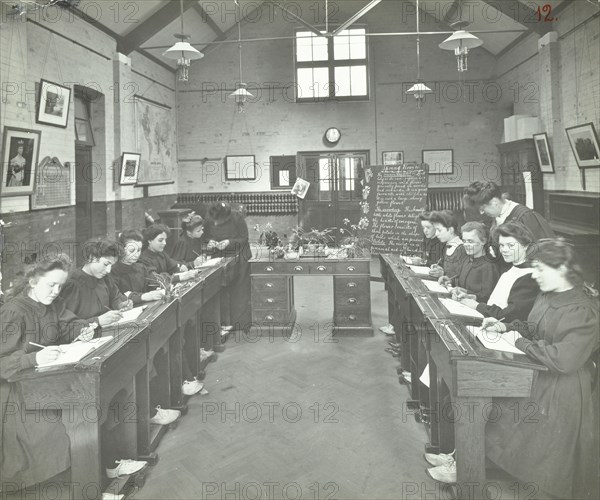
(315,240)
(356,238)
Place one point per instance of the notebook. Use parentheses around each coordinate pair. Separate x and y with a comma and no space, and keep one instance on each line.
(129,316)
(434,286)
(72,353)
(424,270)
(410,260)
(455,307)
(210,262)
(496,341)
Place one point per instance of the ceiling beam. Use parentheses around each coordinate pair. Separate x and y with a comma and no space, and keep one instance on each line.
(356,16)
(209,20)
(233,29)
(448,18)
(151,26)
(297,18)
(521,13)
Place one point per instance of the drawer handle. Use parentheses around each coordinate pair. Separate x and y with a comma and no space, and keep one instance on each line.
(352,317)
(351,285)
(351,268)
(321,268)
(269,317)
(270,300)
(269,269)
(298,268)
(352,300)
(269,285)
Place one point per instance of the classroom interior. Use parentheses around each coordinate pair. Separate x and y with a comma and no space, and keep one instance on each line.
(118,132)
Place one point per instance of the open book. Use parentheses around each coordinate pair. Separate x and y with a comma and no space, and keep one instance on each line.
(210,262)
(411,260)
(72,353)
(434,286)
(496,341)
(422,270)
(129,316)
(455,307)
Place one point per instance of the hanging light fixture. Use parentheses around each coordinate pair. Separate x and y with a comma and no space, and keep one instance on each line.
(419,89)
(183,52)
(460,42)
(241,94)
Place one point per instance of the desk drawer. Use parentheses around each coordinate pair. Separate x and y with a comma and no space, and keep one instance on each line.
(351,286)
(352,267)
(270,300)
(352,316)
(271,285)
(270,317)
(321,267)
(281,267)
(352,301)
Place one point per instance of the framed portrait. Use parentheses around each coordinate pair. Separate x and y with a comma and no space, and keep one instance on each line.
(20,151)
(584,143)
(300,188)
(130,166)
(543,152)
(392,157)
(240,168)
(54,102)
(440,161)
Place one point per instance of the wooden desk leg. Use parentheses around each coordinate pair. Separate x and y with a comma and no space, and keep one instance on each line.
(175,368)
(210,324)
(142,396)
(469,429)
(86,468)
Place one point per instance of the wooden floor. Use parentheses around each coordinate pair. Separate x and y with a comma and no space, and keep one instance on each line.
(312,417)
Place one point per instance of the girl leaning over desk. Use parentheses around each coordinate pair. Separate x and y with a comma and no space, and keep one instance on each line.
(552,440)
(35,446)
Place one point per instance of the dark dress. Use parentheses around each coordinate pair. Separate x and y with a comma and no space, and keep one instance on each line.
(433,249)
(89,297)
(533,221)
(552,442)
(478,276)
(236,231)
(453,257)
(188,249)
(161,263)
(135,278)
(35,446)
(521,295)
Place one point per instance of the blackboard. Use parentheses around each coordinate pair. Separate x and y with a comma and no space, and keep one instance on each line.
(396,195)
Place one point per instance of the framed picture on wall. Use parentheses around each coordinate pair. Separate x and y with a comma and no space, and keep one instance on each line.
(240,168)
(283,171)
(543,152)
(20,151)
(53,104)
(584,143)
(392,157)
(439,161)
(130,167)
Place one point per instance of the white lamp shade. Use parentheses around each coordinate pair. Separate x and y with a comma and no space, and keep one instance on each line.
(183,49)
(461,39)
(240,93)
(419,89)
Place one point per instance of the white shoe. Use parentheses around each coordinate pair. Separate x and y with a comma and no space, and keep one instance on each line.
(164,417)
(226,328)
(387,329)
(191,387)
(204,354)
(406,376)
(203,392)
(439,459)
(107,495)
(125,468)
(444,473)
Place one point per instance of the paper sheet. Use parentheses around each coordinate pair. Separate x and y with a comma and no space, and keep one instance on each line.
(129,316)
(423,270)
(424,378)
(455,307)
(496,341)
(210,262)
(528,190)
(72,353)
(435,287)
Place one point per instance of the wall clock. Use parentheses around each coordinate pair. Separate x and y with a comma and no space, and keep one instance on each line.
(332,135)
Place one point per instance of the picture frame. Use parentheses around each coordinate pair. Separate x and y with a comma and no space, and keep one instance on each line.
(440,161)
(240,168)
(543,153)
(584,143)
(20,153)
(283,171)
(54,102)
(392,157)
(300,188)
(130,167)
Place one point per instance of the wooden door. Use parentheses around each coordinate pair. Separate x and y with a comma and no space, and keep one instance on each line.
(335,188)
(84,177)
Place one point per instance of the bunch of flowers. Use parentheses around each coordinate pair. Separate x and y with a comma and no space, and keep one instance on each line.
(267,236)
(356,237)
(162,282)
(321,237)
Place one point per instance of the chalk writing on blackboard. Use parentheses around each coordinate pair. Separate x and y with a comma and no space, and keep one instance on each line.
(396,197)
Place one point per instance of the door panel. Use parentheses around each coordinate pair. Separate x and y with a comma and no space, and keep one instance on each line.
(84,175)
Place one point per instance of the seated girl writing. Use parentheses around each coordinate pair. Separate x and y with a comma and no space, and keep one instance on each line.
(446,227)
(189,247)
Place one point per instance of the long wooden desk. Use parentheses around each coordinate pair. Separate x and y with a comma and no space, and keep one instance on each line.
(272,285)
(120,371)
(459,367)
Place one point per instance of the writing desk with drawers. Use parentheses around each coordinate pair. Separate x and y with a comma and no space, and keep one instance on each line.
(272,285)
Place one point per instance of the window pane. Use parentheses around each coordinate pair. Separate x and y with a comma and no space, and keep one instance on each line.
(320,49)
(303,46)
(342,81)
(358,77)
(358,44)
(341,46)
(324,179)
(80,108)
(313,82)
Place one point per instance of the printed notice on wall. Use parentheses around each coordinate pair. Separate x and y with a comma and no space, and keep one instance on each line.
(396,197)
